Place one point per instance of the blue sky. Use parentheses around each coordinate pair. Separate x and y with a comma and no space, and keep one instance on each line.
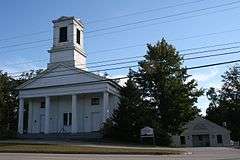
(25,17)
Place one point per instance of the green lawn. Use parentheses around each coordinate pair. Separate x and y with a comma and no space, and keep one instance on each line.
(73,149)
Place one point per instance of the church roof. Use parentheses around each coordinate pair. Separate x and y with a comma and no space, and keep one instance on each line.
(200,123)
(65,18)
(64,75)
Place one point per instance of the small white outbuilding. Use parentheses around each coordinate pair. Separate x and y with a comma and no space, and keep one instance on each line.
(202,133)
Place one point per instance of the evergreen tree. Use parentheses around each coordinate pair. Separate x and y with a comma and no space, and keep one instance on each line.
(127,120)
(159,95)
(166,87)
(225,103)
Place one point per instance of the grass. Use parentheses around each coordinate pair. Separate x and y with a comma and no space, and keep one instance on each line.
(74,149)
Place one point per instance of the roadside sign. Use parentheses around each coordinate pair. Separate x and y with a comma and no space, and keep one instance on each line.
(147,132)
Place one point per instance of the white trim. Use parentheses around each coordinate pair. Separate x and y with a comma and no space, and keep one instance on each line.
(64,90)
(30,115)
(47,109)
(105,106)
(20,115)
(74,114)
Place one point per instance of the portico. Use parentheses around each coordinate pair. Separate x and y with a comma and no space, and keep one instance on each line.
(67,113)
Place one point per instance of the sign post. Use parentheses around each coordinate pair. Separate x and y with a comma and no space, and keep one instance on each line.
(147,134)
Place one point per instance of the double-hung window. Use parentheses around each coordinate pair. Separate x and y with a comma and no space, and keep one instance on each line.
(67,119)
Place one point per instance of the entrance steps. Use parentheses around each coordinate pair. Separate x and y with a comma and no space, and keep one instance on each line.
(89,136)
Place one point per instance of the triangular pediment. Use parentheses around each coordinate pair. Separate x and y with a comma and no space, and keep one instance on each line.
(61,75)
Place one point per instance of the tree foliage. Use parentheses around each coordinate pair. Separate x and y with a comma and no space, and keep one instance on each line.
(167,87)
(9,102)
(127,120)
(225,103)
(162,90)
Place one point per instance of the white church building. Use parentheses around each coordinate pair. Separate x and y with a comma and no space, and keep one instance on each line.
(66,98)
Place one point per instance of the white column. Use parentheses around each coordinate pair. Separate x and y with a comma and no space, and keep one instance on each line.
(47,109)
(74,114)
(105,106)
(20,115)
(30,109)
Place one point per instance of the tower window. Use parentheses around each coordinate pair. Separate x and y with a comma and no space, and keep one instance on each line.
(63,34)
(78,36)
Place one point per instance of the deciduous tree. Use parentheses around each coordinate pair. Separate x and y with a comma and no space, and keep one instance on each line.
(225,103)
(9,101)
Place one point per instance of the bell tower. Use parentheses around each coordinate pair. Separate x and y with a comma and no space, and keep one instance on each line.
(68,45)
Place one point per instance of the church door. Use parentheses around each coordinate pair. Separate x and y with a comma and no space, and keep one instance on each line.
(96,121)
(42,123)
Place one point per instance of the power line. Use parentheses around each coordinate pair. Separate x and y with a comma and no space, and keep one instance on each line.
(132,66)
(209,46)
(128,29)
(186,54)
(177,39)
(143,12)
(134,57)
(213,64)
(153,24)
(119,31)
(183,50)
(101,34)
(25,43)
(123,30)
(164,17)
(106,19)
(26,62)
(111,64)
(185,59)
(213,55)
(22,49)
(136,45)
(119,48)
(190,68)
(114,60)
(25,35)
(213,50)
(134,61)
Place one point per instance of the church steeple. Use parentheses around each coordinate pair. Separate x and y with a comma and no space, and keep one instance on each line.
(68,45)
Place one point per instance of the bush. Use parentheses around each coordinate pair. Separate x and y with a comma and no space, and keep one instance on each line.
(108,130)
(162,138)
(7,134)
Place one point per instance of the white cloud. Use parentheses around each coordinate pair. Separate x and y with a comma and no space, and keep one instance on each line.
(203,77)
(20,66)
(214,84)
(121,81)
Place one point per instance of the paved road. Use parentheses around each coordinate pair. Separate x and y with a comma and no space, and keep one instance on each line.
(197,154)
